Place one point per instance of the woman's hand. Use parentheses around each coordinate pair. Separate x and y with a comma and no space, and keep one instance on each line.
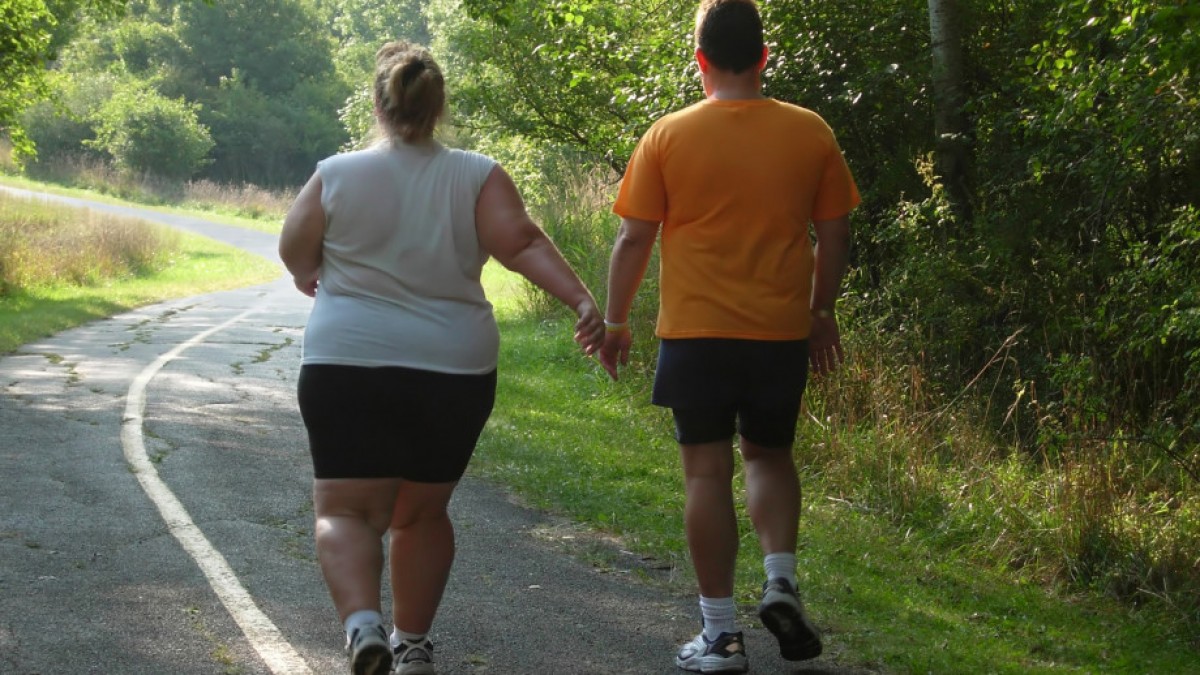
(307,284)
(589,329)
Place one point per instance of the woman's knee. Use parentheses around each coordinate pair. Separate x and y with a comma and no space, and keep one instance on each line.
(368,501)
(421,503)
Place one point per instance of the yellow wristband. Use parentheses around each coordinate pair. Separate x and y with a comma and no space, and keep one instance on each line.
(615,327)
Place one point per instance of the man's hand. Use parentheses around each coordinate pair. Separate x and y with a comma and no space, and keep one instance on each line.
(825,344)
(615,350)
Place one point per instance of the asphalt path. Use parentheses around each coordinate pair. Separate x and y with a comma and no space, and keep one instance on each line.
(156,517)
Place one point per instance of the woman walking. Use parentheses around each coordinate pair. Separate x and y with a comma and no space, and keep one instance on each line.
(398,372)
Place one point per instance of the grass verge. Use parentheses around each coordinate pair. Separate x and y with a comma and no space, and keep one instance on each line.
(566,439)
(198,265)
(270,222)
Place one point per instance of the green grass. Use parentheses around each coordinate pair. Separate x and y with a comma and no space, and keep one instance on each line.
(200,266)
(564,438)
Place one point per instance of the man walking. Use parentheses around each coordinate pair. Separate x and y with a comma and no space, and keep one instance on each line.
(734,183)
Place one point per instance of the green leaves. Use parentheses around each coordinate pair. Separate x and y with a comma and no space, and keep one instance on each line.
(24,46)
(592,75)
(144,132)
(256,77)
(30,32)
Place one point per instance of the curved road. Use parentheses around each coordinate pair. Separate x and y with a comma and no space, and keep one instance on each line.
(155,516)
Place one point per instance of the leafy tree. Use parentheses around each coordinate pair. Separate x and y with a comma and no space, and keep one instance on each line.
(361,27)
(263,72)
(31,31)
(61,128)
(588,74)
(145,132)
(274,44)
(273,140)
(260,76)
(136,45)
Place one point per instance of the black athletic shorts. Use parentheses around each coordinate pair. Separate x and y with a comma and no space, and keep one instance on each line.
(393,422)
(716,386)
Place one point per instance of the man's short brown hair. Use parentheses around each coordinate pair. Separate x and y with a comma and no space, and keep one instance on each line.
(730,33)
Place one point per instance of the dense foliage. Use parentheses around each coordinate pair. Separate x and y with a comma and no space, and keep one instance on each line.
(31,32)
(145,132)
(264,79)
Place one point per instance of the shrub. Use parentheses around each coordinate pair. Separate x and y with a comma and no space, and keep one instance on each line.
(145,132)
(62,127)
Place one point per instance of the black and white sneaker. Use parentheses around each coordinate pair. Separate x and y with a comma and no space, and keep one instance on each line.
(370,651)
(726,654)
(413,657)
(783,614)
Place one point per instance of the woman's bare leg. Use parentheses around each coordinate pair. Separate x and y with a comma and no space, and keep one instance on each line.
(352,514)
(421,553)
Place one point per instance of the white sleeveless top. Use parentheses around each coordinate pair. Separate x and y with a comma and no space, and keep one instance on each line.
(399,282)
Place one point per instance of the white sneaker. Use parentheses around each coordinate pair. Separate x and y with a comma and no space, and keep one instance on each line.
(783,614)
(413,657)
(726,654)
(370,651)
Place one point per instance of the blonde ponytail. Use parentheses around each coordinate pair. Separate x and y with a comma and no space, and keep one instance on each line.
(410,92)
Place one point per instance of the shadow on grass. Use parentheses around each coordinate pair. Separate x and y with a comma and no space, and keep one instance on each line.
(31,315)
(568,440)
(557,436)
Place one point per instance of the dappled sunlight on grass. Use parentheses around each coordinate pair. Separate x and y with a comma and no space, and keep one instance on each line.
(561,439)
(565,438)
(910,604)
(505,289)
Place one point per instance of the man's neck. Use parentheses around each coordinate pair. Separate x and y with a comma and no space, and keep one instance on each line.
(727,86)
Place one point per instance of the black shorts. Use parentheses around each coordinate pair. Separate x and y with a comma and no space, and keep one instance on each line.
(393,422)
(717,386)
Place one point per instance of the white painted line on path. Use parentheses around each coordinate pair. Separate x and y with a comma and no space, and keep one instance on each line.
(266,639)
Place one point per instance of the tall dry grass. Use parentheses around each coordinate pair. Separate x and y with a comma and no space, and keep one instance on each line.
(248,201)
(45,244)
(577,215)
(1104,512)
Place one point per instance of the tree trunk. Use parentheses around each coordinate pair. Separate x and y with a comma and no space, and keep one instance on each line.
(951,126)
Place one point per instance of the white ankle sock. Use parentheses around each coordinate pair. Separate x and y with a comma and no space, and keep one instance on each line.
(399,636)
(781,566)
(719,616)
(363,617)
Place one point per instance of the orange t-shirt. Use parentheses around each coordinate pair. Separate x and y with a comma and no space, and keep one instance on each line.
(735,185)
